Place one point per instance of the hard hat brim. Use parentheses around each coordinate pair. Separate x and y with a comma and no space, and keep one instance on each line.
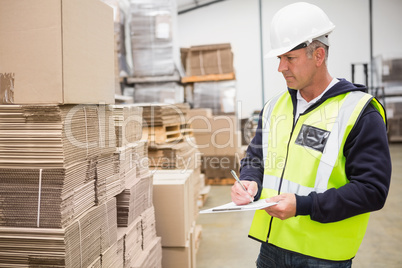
(282,50)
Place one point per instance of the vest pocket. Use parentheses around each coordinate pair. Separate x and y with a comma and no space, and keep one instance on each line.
(312,137)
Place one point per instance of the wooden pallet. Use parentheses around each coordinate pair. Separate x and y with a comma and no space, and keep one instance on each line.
(198,236)
(202,197)
(186,130)
(208,77)
(220,181)
(162,134)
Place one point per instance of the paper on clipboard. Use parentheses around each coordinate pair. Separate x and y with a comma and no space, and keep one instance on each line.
(232,207)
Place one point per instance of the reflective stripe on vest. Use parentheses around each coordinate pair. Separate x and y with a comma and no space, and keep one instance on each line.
(308,168)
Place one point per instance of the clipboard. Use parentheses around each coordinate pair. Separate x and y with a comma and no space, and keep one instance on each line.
(232,207)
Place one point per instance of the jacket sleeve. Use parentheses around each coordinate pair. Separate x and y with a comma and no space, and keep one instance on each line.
(368,168)
(252,166)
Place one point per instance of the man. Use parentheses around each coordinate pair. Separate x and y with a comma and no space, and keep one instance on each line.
(320,152)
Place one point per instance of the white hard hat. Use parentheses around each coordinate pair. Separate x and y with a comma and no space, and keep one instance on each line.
(298,24)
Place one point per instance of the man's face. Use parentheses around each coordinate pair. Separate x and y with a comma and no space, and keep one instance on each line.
(297,69)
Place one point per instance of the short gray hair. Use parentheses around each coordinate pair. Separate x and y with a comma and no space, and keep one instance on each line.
(313,46)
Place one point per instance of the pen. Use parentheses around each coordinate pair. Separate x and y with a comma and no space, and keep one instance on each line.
(225,209)
(241,184)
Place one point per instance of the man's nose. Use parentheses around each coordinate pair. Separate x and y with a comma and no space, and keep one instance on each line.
(283,66)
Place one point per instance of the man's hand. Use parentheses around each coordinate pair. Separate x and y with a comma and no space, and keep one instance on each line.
(241,197)
(285,208)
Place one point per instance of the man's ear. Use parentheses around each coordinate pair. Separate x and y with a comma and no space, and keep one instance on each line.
(319,56)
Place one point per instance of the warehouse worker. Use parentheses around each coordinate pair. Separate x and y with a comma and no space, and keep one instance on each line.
(320,152)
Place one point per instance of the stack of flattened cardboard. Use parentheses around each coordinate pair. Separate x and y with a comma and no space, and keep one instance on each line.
(109,244)
(78,245)
(47,156)
(22,246)
(108,180)
(142,248)
(47,136)
(133,201)
(176,155)
(208,59)
(159,114)
(128,123)
(148,226)
(133,241)
(152,256)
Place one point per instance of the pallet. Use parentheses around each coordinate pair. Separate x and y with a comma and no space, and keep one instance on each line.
(186,130)
(220,181)
(208,77)
(162,134)
(175,77)
(202,197)
(198,236)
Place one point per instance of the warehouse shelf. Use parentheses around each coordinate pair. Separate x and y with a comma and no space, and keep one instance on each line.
(208,77)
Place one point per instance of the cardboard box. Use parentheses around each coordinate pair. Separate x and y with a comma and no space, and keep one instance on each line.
(227,143)
(209,59)
(217,135)
(219,166)
(172,209)
(177,256)
(194,114)
(60,51)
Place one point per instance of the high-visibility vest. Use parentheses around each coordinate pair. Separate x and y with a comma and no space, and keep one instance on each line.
(305,157)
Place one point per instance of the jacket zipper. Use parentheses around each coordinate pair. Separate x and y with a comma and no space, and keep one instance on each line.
(283,171)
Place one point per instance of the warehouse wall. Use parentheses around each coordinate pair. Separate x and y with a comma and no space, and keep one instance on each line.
(236,21)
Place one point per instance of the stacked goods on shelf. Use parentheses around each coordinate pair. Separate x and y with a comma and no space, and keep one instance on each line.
(392,96)
(394,112)
(152,34)
(219,96)
(219,141)
(204,60)
(210,70)
(163,92)
(164,123)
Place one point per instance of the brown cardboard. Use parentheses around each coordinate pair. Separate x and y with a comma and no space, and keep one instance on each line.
(199,112)
(217,135)
(219,166)
(209,59)
(171,202)
(227,143)
(61,51)
(177,256)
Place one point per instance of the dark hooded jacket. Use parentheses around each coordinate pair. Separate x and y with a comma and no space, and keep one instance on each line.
(368,165)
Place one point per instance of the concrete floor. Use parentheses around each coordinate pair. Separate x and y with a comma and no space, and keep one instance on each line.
(224,241)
